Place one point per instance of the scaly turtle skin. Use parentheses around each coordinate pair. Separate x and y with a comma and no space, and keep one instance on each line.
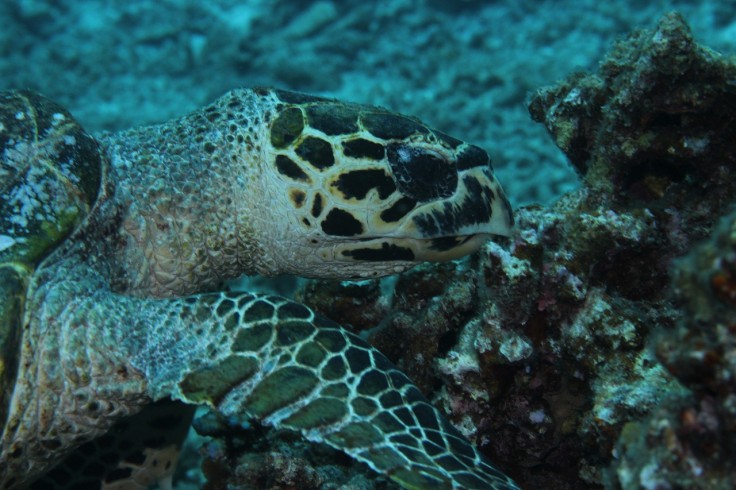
(112,250)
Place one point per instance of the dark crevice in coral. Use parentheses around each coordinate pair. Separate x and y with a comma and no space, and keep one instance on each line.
(446,341)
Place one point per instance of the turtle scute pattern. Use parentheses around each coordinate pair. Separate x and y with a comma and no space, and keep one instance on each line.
(50,174)
(95,348)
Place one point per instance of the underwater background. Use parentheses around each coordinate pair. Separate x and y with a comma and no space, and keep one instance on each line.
(465,67)
(585,353)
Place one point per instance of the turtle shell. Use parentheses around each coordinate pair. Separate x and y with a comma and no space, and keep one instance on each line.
(50,175)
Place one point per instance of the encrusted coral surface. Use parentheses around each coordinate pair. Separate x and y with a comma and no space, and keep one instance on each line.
(584,352)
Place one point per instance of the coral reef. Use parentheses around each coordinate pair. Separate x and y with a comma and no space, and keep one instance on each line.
(244,456)
(584,353)
(693,444)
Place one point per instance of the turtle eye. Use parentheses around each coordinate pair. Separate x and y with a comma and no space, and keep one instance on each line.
(421,174)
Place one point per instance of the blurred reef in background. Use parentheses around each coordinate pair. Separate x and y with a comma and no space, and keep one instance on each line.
(597,347)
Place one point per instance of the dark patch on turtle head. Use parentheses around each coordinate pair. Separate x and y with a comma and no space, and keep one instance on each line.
(475,208)
(333,118)
(341,223)
(289,168)
(297,197)
(317,205)
(317,152)
(362,148)
(388,126)
(421,174)
(398,210)
(472,156)
(357,183)
(286,127)
(387,252)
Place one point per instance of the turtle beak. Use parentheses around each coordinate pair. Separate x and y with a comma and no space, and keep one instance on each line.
(478,208)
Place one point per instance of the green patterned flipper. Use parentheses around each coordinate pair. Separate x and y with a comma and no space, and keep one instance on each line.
(277,361)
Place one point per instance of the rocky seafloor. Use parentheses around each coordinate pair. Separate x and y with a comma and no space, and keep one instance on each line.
(597,347)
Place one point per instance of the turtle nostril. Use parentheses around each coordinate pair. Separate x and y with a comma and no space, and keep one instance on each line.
(421,174)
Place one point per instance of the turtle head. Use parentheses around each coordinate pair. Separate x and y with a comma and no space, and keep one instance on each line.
(369,192)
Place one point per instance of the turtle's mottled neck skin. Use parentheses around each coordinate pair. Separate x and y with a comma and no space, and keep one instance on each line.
(179,190)
(270,182)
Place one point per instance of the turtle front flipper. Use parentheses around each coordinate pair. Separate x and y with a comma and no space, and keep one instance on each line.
(277,361)
(245,355)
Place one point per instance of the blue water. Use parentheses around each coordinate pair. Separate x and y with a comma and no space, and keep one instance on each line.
(466,67)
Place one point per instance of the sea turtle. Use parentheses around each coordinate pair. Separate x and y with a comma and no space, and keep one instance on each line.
(114,249)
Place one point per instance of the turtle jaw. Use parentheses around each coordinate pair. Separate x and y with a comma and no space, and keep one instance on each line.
(449,248)
(407,251)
